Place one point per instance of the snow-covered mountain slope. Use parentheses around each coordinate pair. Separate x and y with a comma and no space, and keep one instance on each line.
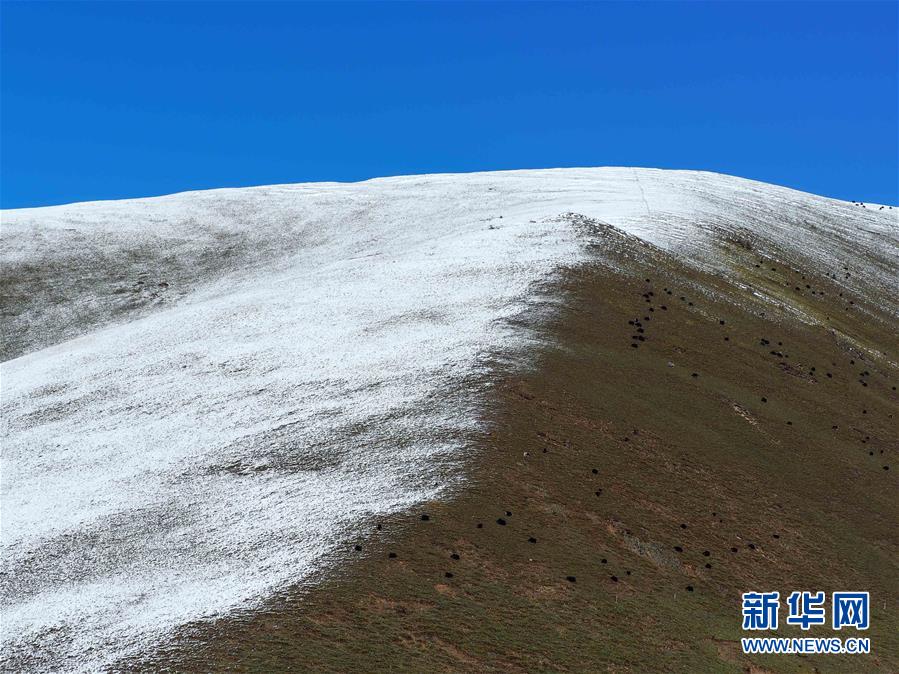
(206,395)
(70,269)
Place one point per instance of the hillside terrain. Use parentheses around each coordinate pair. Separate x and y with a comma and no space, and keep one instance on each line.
(519,421)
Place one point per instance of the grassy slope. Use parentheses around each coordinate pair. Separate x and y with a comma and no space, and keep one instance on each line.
(701,463)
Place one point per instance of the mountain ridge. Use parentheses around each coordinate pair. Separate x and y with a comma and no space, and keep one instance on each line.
(190,239)
(211,393)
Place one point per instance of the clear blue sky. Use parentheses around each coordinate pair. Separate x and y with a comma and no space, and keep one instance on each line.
(105,101)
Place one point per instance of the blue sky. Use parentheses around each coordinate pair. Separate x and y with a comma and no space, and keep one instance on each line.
(105,101)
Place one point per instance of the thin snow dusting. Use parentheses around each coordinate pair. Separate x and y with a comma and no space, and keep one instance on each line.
(209,394)
(196,460)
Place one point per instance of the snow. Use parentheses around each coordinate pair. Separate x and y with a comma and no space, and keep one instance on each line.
(319,360)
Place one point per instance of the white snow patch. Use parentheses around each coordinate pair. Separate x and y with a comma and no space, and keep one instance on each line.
(194,461)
